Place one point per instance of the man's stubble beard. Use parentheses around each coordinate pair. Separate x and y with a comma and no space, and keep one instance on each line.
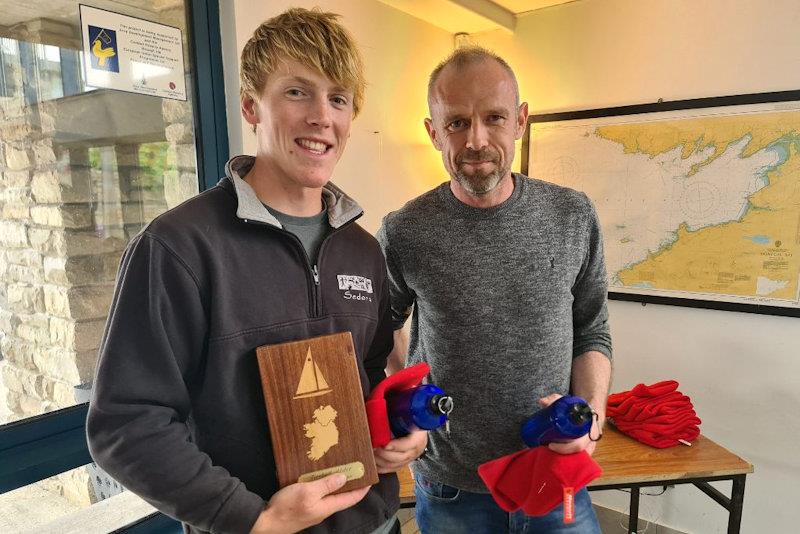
(479,183)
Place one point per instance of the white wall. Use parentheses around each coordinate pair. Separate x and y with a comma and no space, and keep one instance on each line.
(388,159)
(741,370)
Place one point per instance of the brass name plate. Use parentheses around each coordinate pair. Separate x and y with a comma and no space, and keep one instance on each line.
(353,471)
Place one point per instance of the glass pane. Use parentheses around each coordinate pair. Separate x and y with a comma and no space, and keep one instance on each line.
(64,504)
(82,170)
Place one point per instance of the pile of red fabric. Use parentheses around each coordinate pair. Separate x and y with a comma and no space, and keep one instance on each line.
(658,415)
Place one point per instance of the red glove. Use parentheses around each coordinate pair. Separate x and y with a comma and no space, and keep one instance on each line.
(660,439)
(534,479)
(637,409)
(377,411)
(640,390)
(655,390)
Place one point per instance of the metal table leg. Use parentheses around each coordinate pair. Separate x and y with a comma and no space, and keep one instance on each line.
(633,512)
(737,502)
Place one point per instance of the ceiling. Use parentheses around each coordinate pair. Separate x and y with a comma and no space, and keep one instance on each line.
(454,16)
(523,6)
(471,16)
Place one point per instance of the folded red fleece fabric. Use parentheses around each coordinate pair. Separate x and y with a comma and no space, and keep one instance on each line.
(534,479)
(377,410)
(658,415)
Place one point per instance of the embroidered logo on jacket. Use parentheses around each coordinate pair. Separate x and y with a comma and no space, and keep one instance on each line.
(351,283)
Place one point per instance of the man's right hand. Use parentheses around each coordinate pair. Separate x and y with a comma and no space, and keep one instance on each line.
(305,504)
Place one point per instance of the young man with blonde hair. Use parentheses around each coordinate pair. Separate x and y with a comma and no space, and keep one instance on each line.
(178,415)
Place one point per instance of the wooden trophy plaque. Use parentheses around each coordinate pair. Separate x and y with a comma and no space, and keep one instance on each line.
(315,405)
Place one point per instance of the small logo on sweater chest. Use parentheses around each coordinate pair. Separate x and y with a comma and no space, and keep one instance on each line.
(354,286)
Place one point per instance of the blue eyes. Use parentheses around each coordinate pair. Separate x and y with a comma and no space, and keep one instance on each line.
(336,100)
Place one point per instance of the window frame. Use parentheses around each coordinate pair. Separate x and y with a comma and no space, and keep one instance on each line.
(39,447)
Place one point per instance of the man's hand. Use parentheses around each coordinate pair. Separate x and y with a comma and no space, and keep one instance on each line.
(399,452)
(304,504)
(576,445)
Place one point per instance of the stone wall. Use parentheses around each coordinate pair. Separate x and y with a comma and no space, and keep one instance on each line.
(57,273)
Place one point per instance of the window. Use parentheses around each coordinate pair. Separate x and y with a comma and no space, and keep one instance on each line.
(82,170)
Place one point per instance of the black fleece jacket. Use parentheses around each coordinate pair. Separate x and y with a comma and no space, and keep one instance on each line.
(177,414)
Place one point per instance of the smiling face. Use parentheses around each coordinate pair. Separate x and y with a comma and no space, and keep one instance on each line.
(302,121)
(474,122)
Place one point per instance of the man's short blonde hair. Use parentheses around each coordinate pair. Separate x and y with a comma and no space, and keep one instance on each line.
(312,37)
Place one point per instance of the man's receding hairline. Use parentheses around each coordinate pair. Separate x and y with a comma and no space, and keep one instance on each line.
(460,66)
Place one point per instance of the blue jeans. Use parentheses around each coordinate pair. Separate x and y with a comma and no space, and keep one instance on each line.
(443,509)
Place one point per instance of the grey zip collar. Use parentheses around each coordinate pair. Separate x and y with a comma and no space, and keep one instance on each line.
(341,208)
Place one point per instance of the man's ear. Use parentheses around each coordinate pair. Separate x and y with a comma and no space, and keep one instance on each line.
(433,134)
(522,119)
(249,110)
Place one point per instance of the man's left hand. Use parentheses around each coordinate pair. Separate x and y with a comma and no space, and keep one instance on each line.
(576,445)
(399,452)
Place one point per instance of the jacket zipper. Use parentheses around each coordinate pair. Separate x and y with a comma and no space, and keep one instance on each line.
(317,294)
(314,272)
(315,269)
(315,300)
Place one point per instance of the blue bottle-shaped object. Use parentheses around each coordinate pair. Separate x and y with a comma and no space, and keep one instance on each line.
(565,419)
(422,407)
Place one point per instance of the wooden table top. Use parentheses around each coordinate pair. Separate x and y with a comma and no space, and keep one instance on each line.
(625,460)
(406,485)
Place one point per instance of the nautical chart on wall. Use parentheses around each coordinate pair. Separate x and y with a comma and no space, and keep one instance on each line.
(699,200)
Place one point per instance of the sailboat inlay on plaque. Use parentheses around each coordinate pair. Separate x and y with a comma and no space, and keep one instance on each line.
(312,383)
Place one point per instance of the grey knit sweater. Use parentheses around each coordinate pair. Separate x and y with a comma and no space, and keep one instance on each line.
(503,299)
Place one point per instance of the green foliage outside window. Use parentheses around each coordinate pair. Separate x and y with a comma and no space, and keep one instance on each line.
(152,164)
